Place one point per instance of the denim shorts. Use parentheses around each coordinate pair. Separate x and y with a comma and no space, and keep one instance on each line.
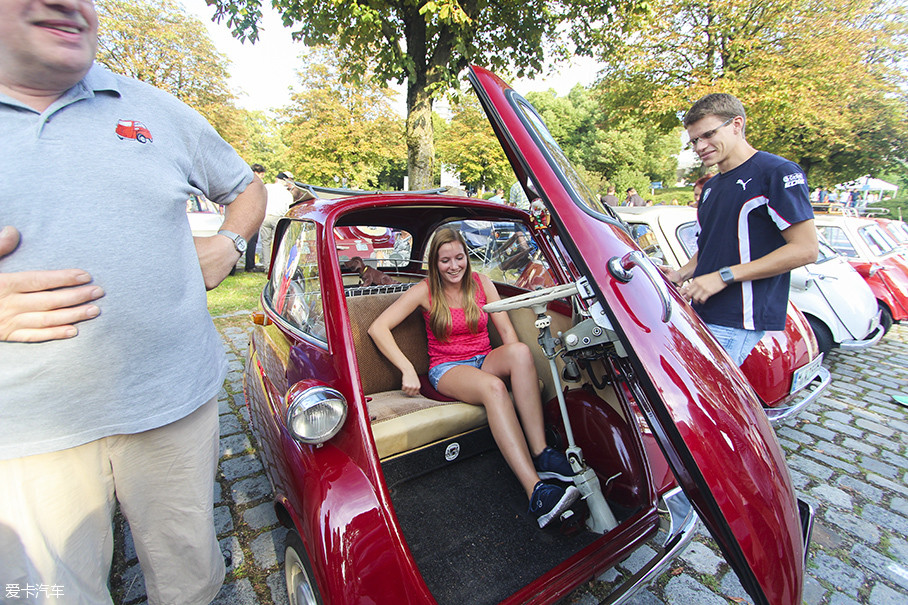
(436,372)
(737,342)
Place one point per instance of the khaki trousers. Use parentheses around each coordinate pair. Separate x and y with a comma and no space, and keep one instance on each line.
(56,510)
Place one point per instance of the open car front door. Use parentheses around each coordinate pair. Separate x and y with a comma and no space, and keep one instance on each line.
(705,416)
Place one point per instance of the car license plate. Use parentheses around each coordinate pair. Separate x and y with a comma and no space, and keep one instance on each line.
(803,375)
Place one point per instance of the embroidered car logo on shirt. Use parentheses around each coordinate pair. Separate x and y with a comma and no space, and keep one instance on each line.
(133,129)
(793,179)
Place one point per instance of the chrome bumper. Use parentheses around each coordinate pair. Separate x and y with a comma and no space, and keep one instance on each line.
(871,340)
(682,525)
(808,395)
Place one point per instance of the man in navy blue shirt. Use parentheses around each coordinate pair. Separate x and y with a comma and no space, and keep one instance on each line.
(756,225)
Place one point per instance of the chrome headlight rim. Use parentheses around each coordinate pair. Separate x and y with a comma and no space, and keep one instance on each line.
(300,401)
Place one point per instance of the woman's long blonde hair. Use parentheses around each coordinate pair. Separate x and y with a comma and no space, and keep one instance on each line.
(439,311)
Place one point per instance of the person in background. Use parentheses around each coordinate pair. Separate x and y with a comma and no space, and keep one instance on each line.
(497,196)
(610,198)
(103,300)
(698,189)
(756,225)
(518,197)
(249,265)
(633,198)
(464,366)
(279,200)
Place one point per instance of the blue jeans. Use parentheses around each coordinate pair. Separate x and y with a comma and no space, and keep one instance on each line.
(436,372)
(737,342)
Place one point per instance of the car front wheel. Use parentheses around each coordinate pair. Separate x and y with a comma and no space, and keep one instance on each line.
(301,588)
(885,317)
(822,334)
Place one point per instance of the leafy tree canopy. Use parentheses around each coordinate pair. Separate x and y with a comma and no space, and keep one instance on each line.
(338,133)
(428,43)
(469,146)
(157,42)
(821,80)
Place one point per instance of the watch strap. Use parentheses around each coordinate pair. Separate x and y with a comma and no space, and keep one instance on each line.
(238,241)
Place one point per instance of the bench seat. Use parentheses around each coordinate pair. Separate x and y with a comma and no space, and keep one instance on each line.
(401,423)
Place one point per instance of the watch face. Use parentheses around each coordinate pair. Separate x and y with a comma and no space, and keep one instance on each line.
(240,244)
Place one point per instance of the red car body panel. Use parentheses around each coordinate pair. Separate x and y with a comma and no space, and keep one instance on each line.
(770,366)
(699,411)
(690,387)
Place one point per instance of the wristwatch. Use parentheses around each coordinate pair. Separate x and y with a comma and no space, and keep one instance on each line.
(238,240)
(727,276)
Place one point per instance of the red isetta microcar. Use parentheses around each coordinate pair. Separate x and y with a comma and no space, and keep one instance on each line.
(395,499)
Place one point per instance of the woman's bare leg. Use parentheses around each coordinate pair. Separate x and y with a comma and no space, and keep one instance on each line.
(515,362)
(478,387)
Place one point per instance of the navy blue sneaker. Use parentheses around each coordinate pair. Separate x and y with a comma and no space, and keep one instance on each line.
(549,501)
(552,464)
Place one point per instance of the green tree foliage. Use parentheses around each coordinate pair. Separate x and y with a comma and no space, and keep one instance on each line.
(469,146)
(622,151)
(428,43)
(157,42)
(335,129)
(821,79)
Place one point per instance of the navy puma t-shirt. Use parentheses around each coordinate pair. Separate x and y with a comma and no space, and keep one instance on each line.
(741,216)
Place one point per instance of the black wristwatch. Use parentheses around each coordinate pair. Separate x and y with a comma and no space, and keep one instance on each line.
(238,241)
(727,276)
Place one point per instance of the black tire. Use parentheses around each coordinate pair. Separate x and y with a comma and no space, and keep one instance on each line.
(822,334)
(301,586)
(141,138)
(885,317)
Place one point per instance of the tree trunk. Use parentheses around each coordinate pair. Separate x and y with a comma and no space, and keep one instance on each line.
(420,138)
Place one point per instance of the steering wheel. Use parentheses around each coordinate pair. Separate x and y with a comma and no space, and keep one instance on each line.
(532,299)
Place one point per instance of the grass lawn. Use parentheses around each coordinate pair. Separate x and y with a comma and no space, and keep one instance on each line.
(239,292)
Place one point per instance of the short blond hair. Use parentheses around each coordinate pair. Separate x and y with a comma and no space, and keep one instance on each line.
(719,104)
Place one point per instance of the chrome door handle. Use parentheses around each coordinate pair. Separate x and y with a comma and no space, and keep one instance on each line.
(622,269)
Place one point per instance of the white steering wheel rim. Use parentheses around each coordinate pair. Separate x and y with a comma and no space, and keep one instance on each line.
(533,298)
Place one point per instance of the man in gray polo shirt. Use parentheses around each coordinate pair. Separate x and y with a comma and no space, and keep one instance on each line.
(109,363)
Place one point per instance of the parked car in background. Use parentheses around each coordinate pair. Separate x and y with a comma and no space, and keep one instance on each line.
(396,499)
(785,368)
(873,254)
(205,217)
(897,230)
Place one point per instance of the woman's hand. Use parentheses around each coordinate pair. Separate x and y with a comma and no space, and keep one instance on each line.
(410,383)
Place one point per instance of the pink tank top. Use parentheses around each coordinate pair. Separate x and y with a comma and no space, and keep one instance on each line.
(462,343)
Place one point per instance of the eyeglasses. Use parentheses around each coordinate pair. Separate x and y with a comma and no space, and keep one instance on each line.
(709,134)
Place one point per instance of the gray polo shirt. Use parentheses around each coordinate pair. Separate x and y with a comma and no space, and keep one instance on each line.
(99,181)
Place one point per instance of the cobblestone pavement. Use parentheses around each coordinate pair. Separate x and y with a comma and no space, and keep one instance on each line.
(848,457)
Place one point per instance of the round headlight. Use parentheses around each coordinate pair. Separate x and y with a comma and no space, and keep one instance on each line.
(316,414)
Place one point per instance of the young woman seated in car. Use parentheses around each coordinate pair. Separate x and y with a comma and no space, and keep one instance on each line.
(463,366)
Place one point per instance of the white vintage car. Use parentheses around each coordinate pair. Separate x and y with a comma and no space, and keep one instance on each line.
(834,298)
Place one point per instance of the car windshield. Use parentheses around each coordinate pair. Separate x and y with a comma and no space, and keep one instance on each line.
(570,179)
(838,239)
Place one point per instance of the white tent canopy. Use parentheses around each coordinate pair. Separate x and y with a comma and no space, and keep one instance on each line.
(868,183)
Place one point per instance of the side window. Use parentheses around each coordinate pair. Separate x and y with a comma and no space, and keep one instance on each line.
(646,239)
(295,289)
(838,240)
(506,252)
(878,242)
(687,235)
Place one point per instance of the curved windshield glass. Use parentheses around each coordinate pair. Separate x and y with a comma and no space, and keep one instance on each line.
(560,163)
